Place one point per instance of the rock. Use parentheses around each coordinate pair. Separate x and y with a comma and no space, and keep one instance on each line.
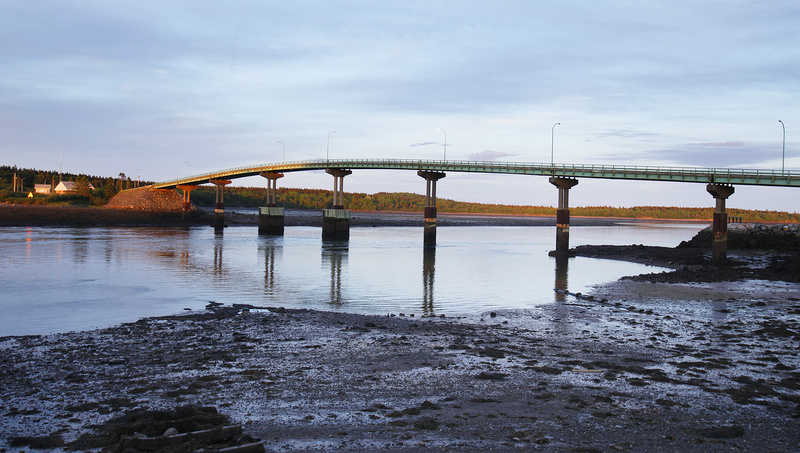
(491,376)
(426,423)
(721,432)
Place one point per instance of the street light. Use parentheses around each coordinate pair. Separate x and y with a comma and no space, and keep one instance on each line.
(552,137)
(284,150)
(783,155)
(190,167)
(137,176)
(445,143)
(328,148)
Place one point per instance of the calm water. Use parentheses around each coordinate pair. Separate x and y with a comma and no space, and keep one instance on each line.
(62,279)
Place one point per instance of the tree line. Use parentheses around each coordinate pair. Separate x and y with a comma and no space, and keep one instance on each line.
(401,201)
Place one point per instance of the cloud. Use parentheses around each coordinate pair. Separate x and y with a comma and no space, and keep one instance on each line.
(718,154)
(424,144)
(487,155)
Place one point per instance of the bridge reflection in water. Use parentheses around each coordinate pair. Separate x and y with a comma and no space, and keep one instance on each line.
(334,257)
(340,292)
(562,279)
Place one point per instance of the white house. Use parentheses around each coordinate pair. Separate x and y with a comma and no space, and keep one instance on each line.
(41,188)
(67,187)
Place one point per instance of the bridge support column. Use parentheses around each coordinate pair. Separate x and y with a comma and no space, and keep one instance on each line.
(187,203)
(562,215)
(219,205)
(270,217)
(430,205)
(336,221)
(720,192)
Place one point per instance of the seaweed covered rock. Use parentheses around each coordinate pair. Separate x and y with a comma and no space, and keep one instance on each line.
(185,429)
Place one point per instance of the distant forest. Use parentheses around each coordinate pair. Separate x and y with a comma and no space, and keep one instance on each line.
(382,201)
(107,187)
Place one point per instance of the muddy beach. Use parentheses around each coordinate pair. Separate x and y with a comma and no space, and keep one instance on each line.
(701,358)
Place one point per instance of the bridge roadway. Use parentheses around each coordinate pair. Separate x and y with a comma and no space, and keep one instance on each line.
(675,174)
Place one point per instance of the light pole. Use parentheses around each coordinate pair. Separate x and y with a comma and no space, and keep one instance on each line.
(445,143)
(284,150)
(137,176)
(328,147)
(190,167)
(552,137)
(783,154)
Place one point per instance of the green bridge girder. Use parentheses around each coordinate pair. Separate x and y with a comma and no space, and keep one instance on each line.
(734,176)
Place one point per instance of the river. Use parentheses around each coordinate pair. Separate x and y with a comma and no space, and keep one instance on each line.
(64,279)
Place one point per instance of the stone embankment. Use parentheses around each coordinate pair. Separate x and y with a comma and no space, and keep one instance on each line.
(147,199)
(743,236)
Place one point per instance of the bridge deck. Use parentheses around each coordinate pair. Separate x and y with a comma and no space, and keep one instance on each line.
(674,174)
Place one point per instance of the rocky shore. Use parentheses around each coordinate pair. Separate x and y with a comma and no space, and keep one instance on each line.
(701,358)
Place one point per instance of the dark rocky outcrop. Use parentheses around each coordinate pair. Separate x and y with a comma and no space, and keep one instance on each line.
(744,236)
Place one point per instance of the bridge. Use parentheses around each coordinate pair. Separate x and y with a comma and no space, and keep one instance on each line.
(719,183)
(673,174)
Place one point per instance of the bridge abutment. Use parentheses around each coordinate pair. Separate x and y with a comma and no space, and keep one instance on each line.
(336,221)
(219,205)
(429,232)
(562,214)
(187,189)
(720,192)
(271,217)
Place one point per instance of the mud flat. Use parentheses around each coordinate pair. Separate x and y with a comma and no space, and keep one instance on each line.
(655,367)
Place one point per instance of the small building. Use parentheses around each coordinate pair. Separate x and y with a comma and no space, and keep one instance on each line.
(42,188)
(67,187)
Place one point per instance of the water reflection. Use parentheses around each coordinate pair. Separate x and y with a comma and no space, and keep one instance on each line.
(269,249)
(334,256)
(428,271)
(562,279)
(107,275)
(80,248)
(218,271)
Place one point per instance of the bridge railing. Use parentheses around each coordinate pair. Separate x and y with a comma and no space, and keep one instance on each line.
(681,174)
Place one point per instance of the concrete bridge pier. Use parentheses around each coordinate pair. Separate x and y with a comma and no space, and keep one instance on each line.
(270,217)
(720,192)
(187,190)
(430,205)
(562,214)
(219,205)
(336,221)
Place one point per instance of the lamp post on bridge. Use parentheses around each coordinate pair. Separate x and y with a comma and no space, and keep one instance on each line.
(552,139)
(445,143)
(284,150)
(783,154)
(190,167)
(328,147)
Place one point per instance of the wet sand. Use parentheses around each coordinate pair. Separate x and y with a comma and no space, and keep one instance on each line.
(681,361)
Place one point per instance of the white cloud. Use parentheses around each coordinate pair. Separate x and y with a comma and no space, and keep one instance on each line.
(151,84)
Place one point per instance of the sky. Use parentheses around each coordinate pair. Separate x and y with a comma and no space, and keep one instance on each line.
(163,89)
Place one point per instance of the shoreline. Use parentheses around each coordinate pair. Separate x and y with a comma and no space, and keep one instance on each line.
(700,358)
(45,215)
